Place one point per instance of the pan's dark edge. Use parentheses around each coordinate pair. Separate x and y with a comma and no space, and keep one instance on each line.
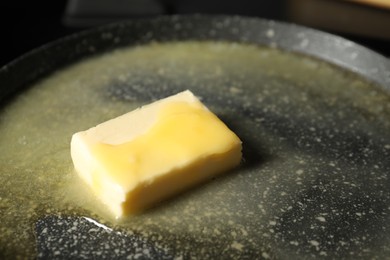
(336,50)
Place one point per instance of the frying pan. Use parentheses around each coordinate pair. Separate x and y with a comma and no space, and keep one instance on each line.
(312,110)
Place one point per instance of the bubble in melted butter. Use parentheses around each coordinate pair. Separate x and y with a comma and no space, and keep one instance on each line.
(316,140)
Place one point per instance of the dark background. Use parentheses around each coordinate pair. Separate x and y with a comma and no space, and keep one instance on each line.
(26,25)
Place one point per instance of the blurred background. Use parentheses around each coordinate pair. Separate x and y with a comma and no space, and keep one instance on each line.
(28,24)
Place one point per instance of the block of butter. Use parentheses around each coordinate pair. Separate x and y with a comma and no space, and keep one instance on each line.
(154,152)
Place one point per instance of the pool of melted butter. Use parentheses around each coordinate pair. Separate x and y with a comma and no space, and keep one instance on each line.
(316,140)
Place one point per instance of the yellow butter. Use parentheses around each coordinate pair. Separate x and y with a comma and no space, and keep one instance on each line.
(180,144)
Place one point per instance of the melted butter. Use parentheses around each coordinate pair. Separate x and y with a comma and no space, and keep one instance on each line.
(269,97)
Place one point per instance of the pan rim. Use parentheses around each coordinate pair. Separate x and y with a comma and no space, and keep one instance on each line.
(290,37)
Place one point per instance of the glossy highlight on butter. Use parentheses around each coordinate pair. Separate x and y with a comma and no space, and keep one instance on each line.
(183,145)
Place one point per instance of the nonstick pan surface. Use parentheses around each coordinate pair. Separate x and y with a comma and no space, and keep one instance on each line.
(312,110)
